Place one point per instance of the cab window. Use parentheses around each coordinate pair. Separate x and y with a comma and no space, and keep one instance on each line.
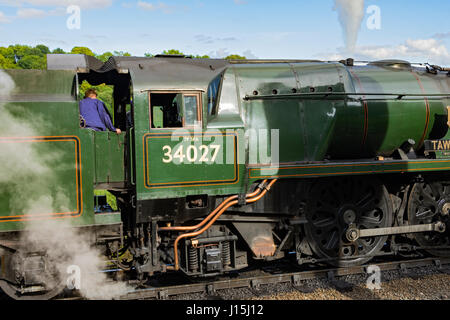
(175,110)
(213,93)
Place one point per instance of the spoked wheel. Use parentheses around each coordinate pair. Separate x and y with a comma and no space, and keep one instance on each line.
(430,203)
(44,280)
(334,205)
(17,293)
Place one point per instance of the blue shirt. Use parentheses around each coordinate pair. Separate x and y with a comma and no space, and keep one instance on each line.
(95,115)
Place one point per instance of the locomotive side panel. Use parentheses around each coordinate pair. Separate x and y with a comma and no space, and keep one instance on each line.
(48,156)
(389,121)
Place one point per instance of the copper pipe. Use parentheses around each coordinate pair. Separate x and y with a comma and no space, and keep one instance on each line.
(220,206)
(228,205)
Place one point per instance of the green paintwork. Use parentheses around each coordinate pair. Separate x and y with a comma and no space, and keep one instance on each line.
(318,135)
(109,157)
(309,129)
(44,101)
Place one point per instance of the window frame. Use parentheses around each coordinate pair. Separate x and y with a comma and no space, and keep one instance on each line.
(189,93)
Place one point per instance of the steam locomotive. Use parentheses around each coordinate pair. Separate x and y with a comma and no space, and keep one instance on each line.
(224,163)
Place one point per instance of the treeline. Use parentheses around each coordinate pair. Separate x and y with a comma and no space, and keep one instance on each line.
(28,57)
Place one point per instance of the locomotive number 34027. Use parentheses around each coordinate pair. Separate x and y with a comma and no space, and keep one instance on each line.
(191,154)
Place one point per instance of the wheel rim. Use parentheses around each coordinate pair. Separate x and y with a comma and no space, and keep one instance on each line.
(334,205)
(14,292)
(429,203)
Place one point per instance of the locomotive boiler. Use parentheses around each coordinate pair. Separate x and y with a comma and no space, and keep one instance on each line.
(225,163)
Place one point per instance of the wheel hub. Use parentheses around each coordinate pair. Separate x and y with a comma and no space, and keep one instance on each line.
(349,216)
(445,209)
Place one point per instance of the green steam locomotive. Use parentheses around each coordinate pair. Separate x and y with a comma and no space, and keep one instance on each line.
(223,163)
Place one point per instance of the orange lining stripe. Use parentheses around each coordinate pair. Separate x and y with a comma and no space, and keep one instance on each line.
(353,165)
(351,172)
(427,104)
(366,110)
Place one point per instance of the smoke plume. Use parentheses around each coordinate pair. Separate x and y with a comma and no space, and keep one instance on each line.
(351,14)
(28,179)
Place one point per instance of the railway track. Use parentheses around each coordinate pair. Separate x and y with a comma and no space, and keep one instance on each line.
(295,278)
(212,288)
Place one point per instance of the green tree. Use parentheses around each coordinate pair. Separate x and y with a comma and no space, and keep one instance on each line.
(33,62)
(173,51)
(6,63)
(8,53)
(105,56)
(58,50)
(7,60)
(148,55)
(202,57)
(43,49)
(121,54)
(82,50)
(235,57)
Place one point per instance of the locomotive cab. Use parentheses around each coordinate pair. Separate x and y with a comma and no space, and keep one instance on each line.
(109,147)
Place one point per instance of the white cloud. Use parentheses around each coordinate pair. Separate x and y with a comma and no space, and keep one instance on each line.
(31,13)
(249,54)
(429,49)
(209,39)
(85,4)
(219,54)
(3,18)
(414,50)
(153,7)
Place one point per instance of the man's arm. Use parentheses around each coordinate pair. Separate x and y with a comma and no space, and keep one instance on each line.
(105,117)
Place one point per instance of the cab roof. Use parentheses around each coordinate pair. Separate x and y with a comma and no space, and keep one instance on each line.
(156,73)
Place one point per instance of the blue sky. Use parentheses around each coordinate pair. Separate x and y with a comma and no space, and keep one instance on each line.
(415,30)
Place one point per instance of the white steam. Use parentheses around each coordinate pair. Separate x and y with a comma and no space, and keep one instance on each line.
(67,246)
(351,15)
(28,178)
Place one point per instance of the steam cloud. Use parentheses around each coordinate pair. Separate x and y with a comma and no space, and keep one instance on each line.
(27,176)
(351,14)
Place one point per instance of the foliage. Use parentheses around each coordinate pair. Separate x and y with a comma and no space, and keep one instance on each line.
(44,49)
(122,54)
(173,51)
(235,57)
(110,199)
(28,57)
(82,50)
(105,56)
(33,62)
(58,50)
(6,63)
